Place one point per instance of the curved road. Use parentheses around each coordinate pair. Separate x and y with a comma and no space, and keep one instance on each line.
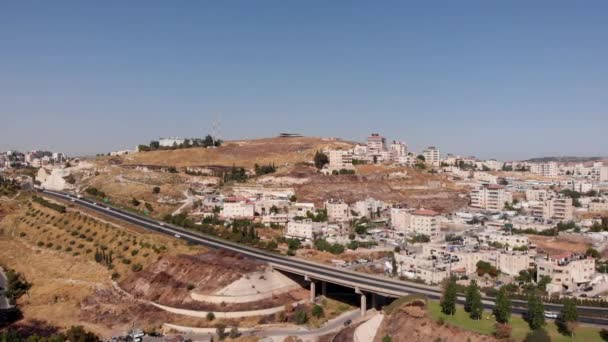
(364,282)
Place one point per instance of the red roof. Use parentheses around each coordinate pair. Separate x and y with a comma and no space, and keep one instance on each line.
(425,212)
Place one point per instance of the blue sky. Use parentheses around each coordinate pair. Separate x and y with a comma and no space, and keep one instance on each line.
(510,80)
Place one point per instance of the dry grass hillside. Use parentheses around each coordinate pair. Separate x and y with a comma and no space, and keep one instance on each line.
(393,184)
(243,153)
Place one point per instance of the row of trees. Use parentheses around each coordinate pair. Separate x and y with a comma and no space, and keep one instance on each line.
(55,206)
(75,333)
(535,316)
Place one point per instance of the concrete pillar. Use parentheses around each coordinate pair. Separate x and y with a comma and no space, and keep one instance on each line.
(363,304)
(312,291)
(374,303)
(324,288)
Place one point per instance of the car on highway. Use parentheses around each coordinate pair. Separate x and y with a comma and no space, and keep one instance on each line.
(161,223)
(347,322)
(177,236)
(551,314)
(73,200)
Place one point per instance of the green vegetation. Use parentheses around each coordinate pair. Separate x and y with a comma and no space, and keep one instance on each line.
(448,298)
(16,286)
(320,216)
(536,312)
(95,192)
(502,310)
(519,328)
(317,311)
(397,303)
(473,303)
(210,316)
(264,169)
(484,267)
(8,187)
(567,321)
(323,245)
(236,174)
(320,160)
(57,207)
(420,238)
(74,334)
(156,190)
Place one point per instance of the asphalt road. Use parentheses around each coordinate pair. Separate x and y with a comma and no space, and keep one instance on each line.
(341,276)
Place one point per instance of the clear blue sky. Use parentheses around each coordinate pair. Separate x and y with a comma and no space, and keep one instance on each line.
(510,79)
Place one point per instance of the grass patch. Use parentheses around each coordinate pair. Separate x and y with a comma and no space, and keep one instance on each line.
(485,326)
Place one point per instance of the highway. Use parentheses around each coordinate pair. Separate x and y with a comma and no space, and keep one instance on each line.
(316,271)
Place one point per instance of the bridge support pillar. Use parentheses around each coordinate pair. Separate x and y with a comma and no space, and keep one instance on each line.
(324,288)
(312,291)
(363,304)
(374,301)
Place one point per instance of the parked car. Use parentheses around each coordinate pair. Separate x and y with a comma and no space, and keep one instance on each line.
(347,322)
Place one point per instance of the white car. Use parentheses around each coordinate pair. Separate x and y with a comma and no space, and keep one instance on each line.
(161,223)
(73,200)
(550,314)
(177,236)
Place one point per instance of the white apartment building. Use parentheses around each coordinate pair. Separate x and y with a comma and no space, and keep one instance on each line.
(568,271)
(504,239)
(409,159)
(337,210)
(485,177)
(577,185)
(491,165)
(238,208)
(368,206)
(376,147)
(599,172)
(558,208)
(536,194)
(490,197)
(305,229)
(415,222)
(339,159)
(549,169)
(432,156)
(512,263)
(276,219)
(170,142)
(598,206)
(397,150)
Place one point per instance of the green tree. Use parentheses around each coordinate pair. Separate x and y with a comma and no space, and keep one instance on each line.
(387,338)
(472,303)
(393,265)
(502,309)
(78,334)
(210,316)
(592,252)
(536,312)
(317,311)
(568,318)
(320,159)
(448,299)
(538,335)
(135,202)
(156,190)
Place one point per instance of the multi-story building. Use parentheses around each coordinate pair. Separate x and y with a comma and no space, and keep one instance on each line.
(536,194)
(305,229)
(599,172)
(368,207)
(568,271)
(549,169)
(415,222)
(238,208)
(557,208)
(598,206)
(340,159)
(337,210)
(490,197)
(432,156)
(397,150)
(376,147)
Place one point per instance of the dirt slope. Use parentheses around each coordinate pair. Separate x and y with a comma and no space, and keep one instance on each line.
(244,153)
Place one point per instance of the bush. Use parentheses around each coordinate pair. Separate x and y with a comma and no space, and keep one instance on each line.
(538,335)
(210,316)
(502,331)
(301,317)
(156,190)
(387,338)
(317,311)
(136,267)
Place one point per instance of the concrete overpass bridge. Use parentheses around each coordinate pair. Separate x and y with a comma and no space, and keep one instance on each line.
(363,284)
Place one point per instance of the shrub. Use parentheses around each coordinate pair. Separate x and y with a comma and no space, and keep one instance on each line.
(210,316)
(538,335)
(317,311)
(502,331)
(301,317)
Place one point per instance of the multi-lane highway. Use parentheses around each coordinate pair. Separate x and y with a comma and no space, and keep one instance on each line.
(316,271)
